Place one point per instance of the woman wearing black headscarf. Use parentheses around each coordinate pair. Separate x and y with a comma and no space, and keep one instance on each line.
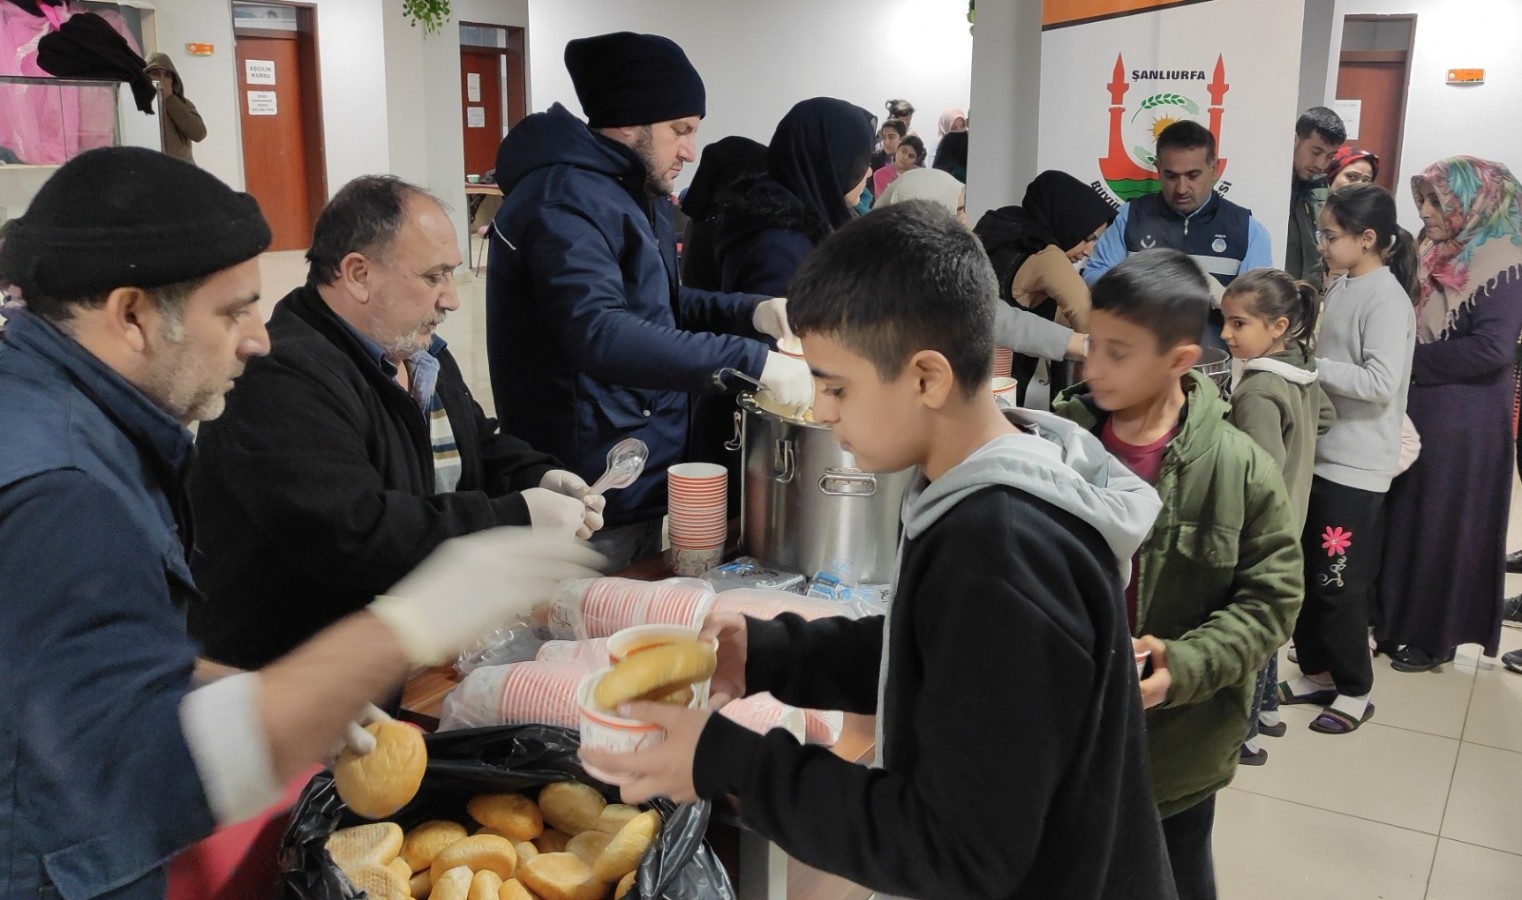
(816,161)
(726,168)
(1034,248)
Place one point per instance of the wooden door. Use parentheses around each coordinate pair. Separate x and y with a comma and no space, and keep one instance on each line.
(1381,86)
(481,106)
(275,166)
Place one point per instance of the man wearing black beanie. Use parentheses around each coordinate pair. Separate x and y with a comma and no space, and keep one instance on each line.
(590,337)
(118,746)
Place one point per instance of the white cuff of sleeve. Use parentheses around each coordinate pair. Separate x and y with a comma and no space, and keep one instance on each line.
(226,736)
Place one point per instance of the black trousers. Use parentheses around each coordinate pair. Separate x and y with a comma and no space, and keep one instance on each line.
(1188,837)
(1343,541)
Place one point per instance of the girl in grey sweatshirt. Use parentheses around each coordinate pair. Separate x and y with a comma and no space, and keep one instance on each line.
(1368,332)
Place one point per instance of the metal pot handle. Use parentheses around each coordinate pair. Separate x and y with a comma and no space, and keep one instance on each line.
(738,441)
(785,461)
(847,483)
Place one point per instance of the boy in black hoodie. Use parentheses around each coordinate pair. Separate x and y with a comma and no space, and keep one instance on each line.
(1011,760)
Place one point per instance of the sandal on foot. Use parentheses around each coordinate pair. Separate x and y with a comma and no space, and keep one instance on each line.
(1332,721)
(1248,758)
(1278,730)
(1288,697)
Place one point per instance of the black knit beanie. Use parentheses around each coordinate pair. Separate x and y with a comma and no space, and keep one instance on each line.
(633,79)
(128,217)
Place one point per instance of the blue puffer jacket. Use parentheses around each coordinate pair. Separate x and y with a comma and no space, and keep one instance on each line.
(589,336)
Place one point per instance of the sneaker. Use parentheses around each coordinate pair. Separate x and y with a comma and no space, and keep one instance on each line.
(1514,563)
(1246,757)
(1511,611)
(1512,660)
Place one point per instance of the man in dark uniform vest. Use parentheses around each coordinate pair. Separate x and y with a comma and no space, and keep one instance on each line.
(1187,214)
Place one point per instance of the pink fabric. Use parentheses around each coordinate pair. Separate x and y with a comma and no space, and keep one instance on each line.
(45,125)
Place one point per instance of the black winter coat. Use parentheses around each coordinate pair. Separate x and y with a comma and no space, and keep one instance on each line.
(314,491)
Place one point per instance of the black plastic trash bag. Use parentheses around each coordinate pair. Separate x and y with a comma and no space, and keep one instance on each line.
(461,764)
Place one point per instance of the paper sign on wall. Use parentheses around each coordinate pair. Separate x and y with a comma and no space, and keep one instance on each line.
(1349,110)
(473,87)
(259,71)
(475,116)
(262,103)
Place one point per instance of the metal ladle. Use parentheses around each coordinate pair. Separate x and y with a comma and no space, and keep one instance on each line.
(625,463)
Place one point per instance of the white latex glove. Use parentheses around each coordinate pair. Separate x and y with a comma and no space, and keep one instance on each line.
(555,513)
(356,738)
(788,380)
(770,318)
(472,584)
(570,484)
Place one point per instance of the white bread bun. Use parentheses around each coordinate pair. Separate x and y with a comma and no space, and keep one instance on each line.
(381,883)
(562,876)
(651,673)
(365,845)
(551,841)
(625,885)
(513,816)
(452,884)
(616,816)
(485,885)
(477,852)
(571,807)
(379,783)
(513,889)
(589,845)
(623,853)
(425,841)
(422,885)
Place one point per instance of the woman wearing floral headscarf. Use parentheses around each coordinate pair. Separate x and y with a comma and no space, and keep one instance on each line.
(1443,575)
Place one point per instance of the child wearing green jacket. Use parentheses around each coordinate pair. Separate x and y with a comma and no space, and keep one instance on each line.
(1218,582)
(1270,324)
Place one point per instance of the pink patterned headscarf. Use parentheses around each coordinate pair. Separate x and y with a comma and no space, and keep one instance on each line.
(1480,201)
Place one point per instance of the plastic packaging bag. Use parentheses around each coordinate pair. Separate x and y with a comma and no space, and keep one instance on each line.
(461,764)
(526,693)
(769,604)
(749,572)
(508,644)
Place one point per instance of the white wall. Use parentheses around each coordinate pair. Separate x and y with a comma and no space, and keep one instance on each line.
(211,82)
(1006,88)
(758,59)
(1443,120)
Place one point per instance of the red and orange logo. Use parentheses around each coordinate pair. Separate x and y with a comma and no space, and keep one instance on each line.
(1128,166)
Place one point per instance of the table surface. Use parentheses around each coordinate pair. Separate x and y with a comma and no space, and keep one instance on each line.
(423,700)
(482,188)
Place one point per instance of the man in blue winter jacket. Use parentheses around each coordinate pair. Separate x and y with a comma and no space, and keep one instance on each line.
(590,337)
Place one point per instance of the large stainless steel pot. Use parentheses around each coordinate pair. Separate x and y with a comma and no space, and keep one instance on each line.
(806,506)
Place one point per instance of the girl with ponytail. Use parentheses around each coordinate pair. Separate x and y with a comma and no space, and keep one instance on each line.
(1444,571)
(1363,362)
(1270,324)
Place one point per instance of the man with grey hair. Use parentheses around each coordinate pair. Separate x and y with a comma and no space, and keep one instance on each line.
(354,448)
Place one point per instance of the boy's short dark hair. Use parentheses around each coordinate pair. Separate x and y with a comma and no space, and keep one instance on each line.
(1186,134)
(1324,122)
(896,125)
(902,279)
(1163,291)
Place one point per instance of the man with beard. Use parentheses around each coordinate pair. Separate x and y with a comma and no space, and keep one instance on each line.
(590,337)
(354,448)
(118,746)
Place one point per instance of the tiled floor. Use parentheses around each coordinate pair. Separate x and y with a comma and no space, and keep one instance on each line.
(1424,801)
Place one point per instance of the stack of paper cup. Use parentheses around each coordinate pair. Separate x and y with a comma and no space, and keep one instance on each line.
(612,604)
(698,506)
(1004,362)
(541,692)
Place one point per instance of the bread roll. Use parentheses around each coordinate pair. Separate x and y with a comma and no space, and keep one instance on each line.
(485,885)
(513,889)
(386,779)
(654,672)
(589,845)
(477,852)
(679,697)
(422,885)
(627,848)
(425,841)
(551,841)
(625,884)
(513,816)
(452,884)
(526,851)
(400,867)
(571,807)
(381,883)
(562,876)
(365,845)
(616,816)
